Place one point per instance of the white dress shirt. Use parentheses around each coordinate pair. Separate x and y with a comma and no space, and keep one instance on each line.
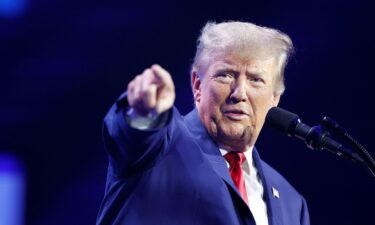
(254,188)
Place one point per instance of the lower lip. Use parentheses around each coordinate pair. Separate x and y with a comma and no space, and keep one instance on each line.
(236,116)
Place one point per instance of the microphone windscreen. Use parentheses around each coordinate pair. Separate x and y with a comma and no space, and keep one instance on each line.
(281,119)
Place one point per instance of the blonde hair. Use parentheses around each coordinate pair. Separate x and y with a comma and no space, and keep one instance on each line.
(219,38)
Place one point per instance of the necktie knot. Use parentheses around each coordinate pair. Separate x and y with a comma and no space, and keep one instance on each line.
(235,158)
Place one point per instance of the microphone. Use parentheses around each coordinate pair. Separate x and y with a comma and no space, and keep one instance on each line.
(315,137)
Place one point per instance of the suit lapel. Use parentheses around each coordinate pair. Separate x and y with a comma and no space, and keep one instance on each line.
(270,193)
(209,148)
(212,153)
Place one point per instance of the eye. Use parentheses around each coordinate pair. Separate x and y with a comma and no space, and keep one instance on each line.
(224,76)
(257,80)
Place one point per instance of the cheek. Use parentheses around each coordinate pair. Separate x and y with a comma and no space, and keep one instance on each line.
(262,96)
(215,95)
(261,103)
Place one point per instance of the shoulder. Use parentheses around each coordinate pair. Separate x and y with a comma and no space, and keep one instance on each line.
(274,180)
(285,201)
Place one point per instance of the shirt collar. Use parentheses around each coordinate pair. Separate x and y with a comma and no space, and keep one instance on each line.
(248,153)
(249,158)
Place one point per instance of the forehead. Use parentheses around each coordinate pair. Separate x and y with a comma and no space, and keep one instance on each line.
(239,61)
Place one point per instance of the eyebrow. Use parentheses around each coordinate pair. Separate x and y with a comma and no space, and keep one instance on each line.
(224,66)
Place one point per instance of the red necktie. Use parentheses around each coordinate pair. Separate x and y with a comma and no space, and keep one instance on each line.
(235,160)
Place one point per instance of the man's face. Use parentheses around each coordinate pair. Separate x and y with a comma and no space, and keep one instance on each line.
(233,98)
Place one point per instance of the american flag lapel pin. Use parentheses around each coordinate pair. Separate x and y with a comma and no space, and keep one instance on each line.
(275,193)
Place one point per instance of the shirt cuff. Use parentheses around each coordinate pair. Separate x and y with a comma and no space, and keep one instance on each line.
(147,122)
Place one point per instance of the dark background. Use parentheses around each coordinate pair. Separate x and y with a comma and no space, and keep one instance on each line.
(63,63)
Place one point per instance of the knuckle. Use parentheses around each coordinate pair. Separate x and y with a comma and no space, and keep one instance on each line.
(138,78)
(130,86)
(147,72)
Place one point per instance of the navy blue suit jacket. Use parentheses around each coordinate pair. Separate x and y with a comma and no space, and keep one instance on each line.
(176,175)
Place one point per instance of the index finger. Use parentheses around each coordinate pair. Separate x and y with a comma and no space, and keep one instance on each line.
(162,75)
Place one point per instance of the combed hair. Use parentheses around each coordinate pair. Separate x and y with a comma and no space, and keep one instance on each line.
(244,37)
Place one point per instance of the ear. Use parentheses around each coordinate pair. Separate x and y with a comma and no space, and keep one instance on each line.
(196,86)
(275,99)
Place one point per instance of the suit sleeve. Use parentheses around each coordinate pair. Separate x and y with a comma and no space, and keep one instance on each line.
(130,149)
(305,218)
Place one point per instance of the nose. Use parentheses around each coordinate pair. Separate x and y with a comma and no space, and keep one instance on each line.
(239,90)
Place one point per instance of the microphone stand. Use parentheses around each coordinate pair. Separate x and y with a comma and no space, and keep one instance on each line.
(361,151)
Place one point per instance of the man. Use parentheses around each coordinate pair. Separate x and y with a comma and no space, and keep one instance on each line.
(202,168)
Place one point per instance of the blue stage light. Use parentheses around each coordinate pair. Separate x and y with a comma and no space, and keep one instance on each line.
(12,191)
(13,8)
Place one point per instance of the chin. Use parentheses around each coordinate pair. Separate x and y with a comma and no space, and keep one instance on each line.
(238,132)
